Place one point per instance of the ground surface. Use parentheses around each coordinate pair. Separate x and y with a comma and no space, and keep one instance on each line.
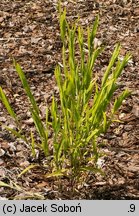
(29,32)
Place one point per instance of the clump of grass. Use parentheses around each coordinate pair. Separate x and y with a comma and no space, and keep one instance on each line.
(76,125)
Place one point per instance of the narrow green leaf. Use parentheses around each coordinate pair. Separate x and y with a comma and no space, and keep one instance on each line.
(111,64)
(7,104)
(91,36)
(120,66)
(92,134)
(16,133)
(119,100)
(94,56)
(56,173)
(63,25)
(104,122)
(92,169)
(14,186)
(94,30)
(27,169)
(41,130)
(26,87)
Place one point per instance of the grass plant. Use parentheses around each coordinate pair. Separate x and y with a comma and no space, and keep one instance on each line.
(75,122)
